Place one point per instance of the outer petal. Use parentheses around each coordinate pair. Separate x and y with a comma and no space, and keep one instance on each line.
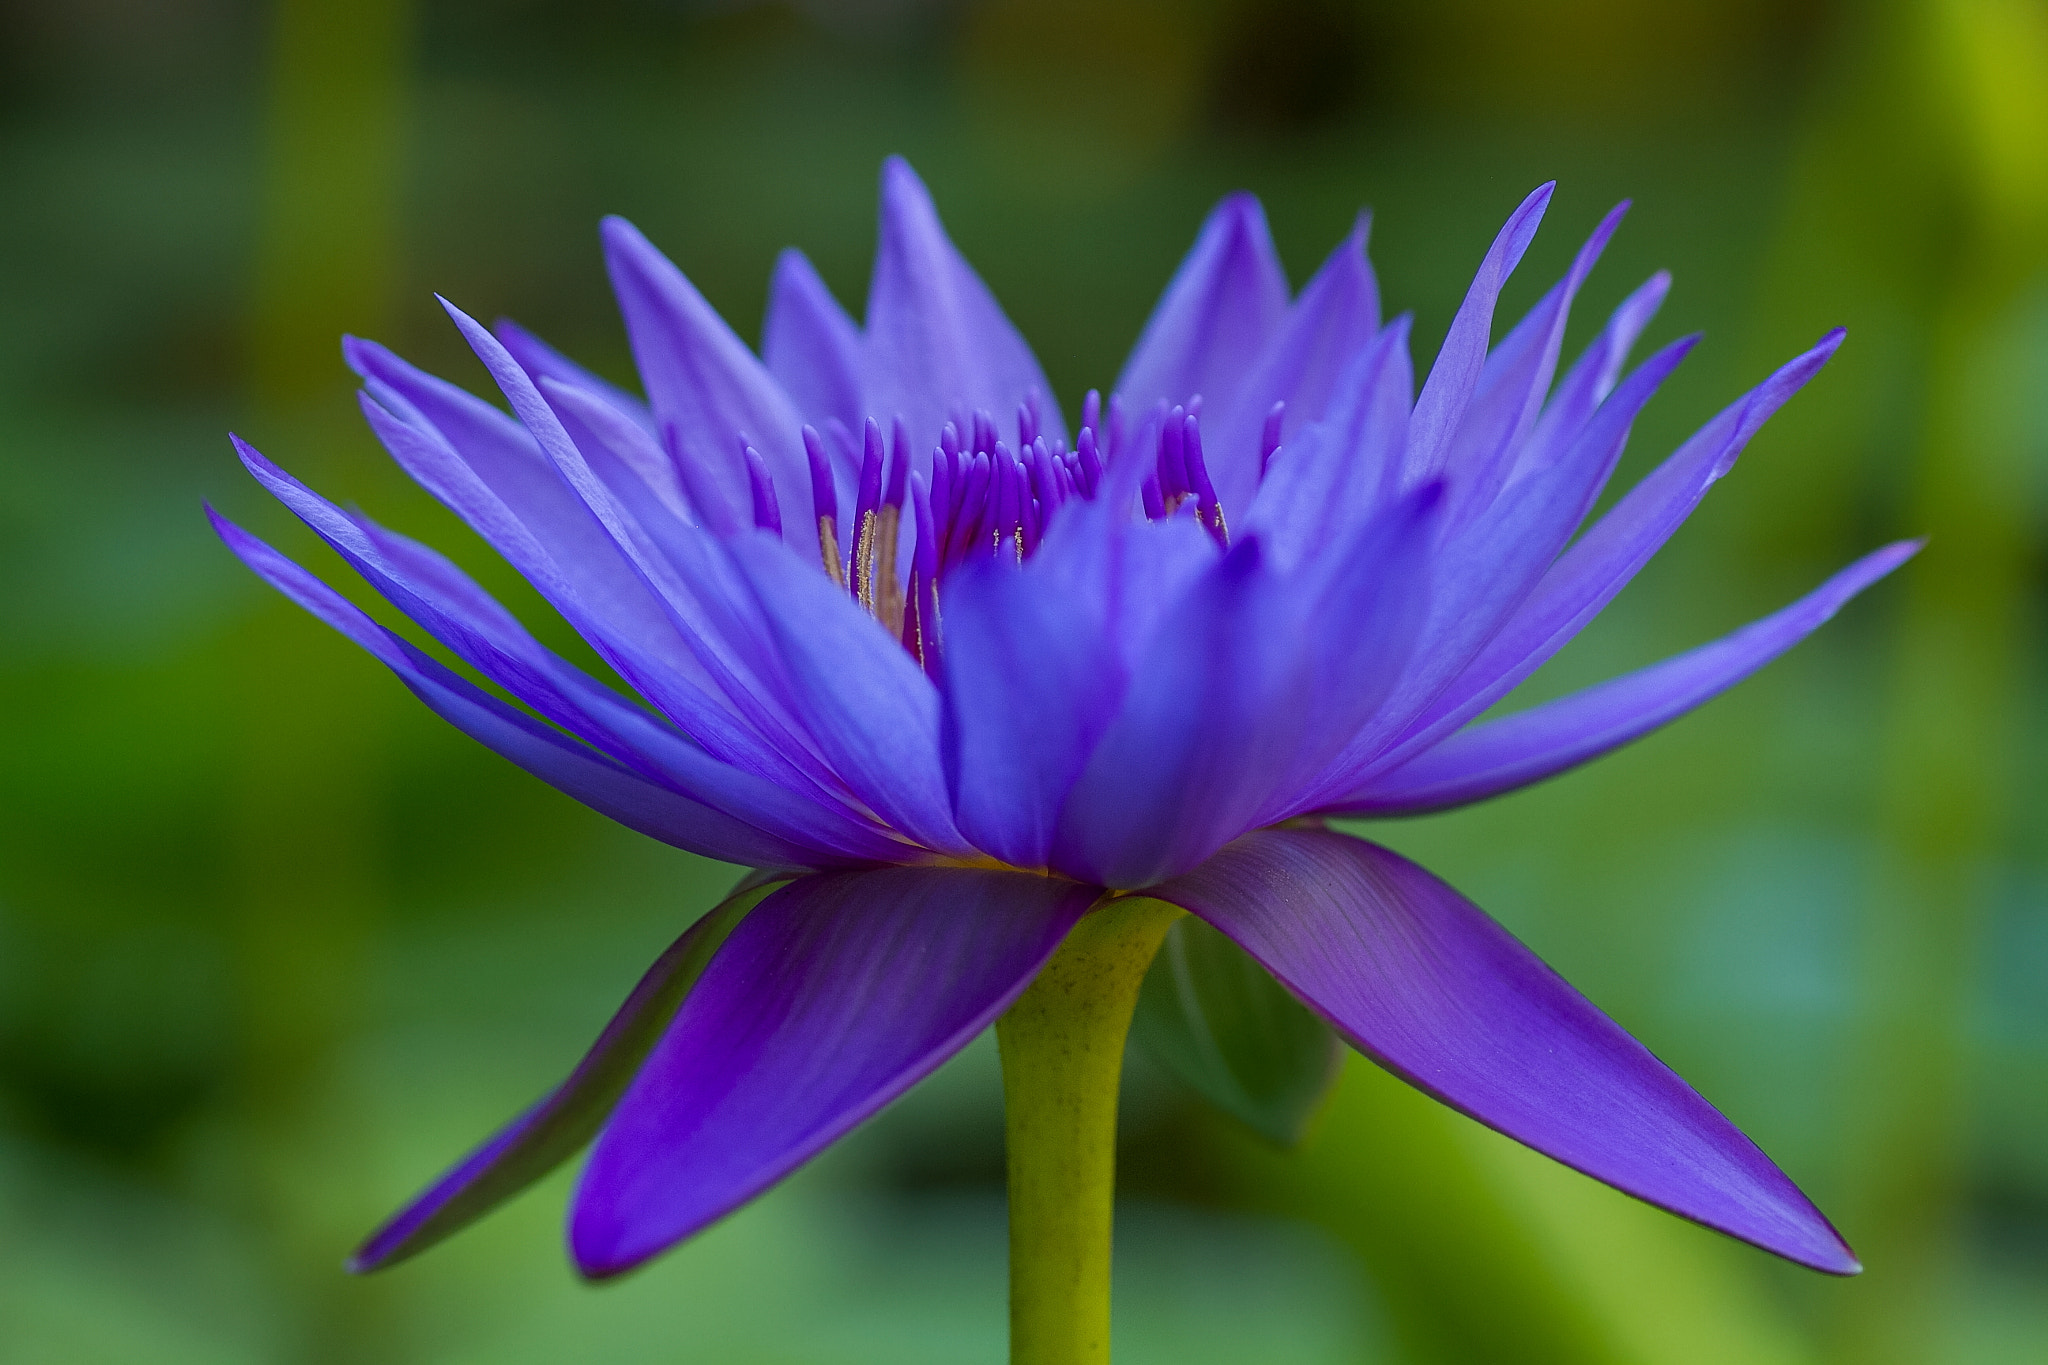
(1546,740)
(566,1117)
(1588,575)
(836,995)
(1224,305)
(1454,378)
(576,771)
(1419,979)
(936,338)
(706,386)
(1591,378)
(810,345)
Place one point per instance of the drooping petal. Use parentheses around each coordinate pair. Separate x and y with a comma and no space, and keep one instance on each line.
(1588,575)
(571,768)
(1454,377)
(936,337)
(570,1115)
(835,995)
(1223,307)
(1423,982)
(1532,745)
(810,345)
(705,385)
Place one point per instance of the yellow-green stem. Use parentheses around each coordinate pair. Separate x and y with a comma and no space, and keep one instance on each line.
(1063,1055)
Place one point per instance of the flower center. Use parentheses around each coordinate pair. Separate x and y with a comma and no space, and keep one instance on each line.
(985,498)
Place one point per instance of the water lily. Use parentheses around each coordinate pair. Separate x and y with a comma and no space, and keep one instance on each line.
(988,705)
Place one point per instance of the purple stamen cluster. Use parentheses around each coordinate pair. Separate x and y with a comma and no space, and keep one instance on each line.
(982,498)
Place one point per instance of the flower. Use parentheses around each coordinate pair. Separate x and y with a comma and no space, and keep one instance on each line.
(948,679)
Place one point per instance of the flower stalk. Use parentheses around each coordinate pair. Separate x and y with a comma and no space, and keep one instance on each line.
(1062,1046)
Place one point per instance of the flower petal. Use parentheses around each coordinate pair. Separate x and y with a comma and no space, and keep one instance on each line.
(1546,740)
(1590,379)
(543,361)
(1216,732)
(834,996)
(1420,980)
(1032,676)
(1217,316)
(570,1115)
(937,340)
(1514,383)
(576,771)
(859,695)
(706,387)
(1454,378)
(810,345)
(1588,575)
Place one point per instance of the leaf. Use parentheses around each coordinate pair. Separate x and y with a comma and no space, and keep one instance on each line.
(1221,1024)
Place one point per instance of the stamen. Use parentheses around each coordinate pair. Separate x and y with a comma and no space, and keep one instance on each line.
(1091,412)
(864,516)
(1173,474)
(1088,464)
(767,512)
(824,505)
(1208,510)
(1155,506)
(889,592)
(1269,439)
(921,619)
(1027,424)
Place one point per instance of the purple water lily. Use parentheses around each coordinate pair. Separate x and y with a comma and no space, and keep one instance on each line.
(950,680)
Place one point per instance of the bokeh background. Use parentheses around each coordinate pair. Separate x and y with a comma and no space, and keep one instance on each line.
(275,944)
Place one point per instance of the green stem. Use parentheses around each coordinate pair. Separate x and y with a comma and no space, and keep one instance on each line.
(1063,1052)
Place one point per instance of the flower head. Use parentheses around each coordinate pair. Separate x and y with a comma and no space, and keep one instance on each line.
(948,676)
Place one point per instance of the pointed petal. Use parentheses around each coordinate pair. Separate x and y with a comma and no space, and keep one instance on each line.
(834,996)
(1532,745)
(705,385)
(1336,318)
(1591,378)
(937,339)
(1223,307)
(543,361)
(1420,980)
(810,345)
(571,768)
(568,1116)
(1588,575)
(1514,384)
(1335,473)
(1455,375)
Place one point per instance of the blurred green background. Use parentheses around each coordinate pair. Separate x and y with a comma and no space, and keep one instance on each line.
(275,944)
